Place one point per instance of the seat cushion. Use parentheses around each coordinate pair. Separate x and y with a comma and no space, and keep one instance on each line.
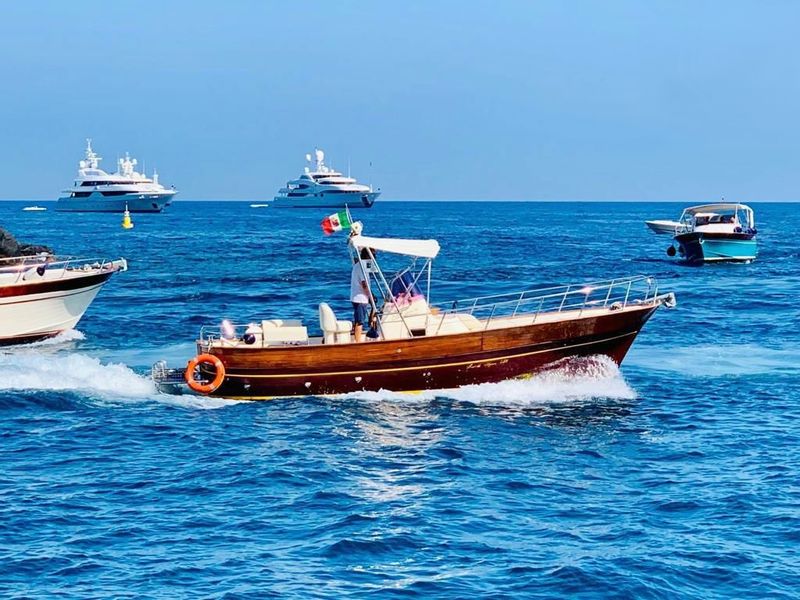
(281,323)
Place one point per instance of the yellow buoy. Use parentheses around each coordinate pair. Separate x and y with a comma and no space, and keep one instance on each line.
(126,219)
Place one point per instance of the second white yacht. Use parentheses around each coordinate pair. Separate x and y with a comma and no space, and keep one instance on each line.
(95,190)
(324,187)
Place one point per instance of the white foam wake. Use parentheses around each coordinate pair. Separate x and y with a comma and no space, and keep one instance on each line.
(29,371)
(65,337)
(23,368)
(576,380)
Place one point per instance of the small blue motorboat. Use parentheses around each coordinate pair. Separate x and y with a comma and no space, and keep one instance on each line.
(720,232)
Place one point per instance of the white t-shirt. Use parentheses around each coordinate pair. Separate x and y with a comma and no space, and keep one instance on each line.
(357,293)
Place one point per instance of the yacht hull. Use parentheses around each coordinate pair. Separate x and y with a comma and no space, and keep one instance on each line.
(326,200)
(96,202)
(34,311)
(424,363)
(698,247)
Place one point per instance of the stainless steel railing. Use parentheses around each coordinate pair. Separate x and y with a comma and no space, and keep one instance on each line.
(617,293)
(14,269)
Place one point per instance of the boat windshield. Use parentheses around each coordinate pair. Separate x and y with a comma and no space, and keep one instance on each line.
(711,219)
(404,285)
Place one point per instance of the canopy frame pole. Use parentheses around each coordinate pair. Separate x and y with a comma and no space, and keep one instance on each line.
(428,293)
(387,288)
(365,275)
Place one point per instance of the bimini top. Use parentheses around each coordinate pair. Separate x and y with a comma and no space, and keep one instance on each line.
(421,248)
(716,208)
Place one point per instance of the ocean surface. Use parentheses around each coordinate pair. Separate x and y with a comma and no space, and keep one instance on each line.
(676,476)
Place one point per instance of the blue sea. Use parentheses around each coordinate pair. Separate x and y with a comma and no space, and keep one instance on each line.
(674,476)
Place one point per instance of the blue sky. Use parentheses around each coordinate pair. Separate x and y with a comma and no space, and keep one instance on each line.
(448,100)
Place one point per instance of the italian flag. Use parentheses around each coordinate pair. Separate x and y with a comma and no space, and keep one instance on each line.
(336,222)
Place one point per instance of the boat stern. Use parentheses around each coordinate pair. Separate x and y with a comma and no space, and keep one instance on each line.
(696,248)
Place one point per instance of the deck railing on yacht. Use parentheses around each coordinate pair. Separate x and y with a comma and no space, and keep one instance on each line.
(14,269)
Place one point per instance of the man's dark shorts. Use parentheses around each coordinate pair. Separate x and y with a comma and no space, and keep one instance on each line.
(361,314)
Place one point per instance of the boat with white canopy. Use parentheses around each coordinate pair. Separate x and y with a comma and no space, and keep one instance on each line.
(718,232)
(417,344)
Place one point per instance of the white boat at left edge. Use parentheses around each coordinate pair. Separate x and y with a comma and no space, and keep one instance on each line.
(44,295)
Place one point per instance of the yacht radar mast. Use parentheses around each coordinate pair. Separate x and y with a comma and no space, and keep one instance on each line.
(320,156)
(126,166)
(92,159)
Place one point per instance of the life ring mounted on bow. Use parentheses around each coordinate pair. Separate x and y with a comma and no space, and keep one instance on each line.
(208,359)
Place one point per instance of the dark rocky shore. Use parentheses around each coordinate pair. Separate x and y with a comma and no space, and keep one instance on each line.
(10,247)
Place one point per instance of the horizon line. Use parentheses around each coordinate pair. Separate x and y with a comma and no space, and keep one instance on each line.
(465,200)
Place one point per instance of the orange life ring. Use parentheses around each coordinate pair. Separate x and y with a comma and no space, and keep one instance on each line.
(204,388)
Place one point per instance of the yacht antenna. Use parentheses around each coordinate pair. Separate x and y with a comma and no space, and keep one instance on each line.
(348,167)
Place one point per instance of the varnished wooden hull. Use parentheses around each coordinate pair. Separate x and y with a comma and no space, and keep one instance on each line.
(436,362)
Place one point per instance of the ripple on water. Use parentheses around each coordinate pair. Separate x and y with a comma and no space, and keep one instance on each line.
(675,476)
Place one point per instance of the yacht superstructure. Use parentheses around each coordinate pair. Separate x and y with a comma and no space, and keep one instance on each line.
(94,190)
(324,187)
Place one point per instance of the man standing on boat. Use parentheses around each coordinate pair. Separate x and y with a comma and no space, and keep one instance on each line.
(360,293)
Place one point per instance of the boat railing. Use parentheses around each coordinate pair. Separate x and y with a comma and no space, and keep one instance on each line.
(57,266)
(614,294)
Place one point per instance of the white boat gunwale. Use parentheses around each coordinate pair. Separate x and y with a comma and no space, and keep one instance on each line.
(55,267)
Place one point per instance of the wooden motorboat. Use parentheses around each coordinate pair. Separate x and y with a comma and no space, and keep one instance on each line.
(43,295)
(419,346)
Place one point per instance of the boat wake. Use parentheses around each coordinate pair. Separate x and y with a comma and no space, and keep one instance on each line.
(65,337)
(73,372)
(575,380)
(571,381)
(88,376)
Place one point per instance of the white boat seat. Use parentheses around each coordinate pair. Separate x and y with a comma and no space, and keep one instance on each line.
(333,330)
(452,323)
(398,319)
(472,323)
(282,323)
(279,331)
(271,333)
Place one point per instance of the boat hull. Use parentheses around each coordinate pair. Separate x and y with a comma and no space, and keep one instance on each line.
(436,362)
(35,311)
(327,200)
(663,227)
(136,203)
(698,247)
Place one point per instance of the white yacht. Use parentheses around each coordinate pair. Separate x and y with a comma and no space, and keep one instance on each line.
(324,187)
(95,190)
